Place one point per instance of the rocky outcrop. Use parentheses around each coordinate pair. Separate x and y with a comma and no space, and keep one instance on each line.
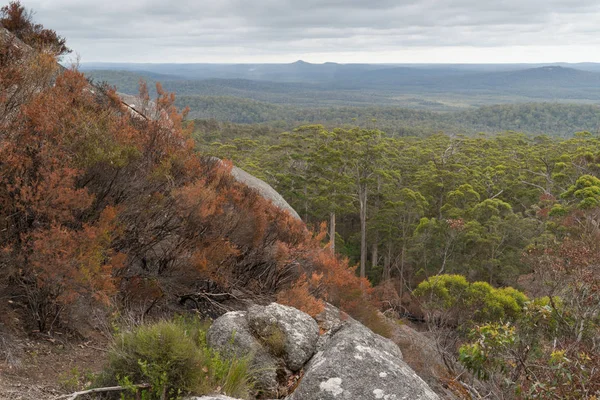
(346,361)
(279,340)
(231,335)
(358,364)
(264,189)
(297,331)
(137,107)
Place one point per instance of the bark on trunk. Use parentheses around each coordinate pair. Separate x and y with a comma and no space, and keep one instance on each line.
(306,204)
(402,271)
(363,231)
(386,263)
(374,254)
(332,232)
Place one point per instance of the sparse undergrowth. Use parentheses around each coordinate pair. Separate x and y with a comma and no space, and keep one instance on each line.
(174,359)
(274,339)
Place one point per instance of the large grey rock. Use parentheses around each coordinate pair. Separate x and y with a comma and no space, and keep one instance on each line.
(264,189)
(231,335)
(298,331)
(331,319)
(358,364)
(137,107)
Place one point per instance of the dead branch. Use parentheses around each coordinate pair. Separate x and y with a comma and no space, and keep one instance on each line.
(543,189)
(73,396)
(497,194)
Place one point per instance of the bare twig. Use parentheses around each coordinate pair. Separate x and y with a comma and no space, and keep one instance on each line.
(497,194)
(73,396)
(543,189)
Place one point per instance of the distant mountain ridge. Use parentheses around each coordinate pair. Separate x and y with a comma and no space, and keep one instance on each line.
(396,98)
(435,87)
(299,70)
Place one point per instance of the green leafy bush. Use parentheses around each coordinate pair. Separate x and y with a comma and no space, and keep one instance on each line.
(173,357)
(477,301)
(442,291)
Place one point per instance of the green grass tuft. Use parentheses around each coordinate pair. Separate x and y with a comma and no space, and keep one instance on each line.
(173,357)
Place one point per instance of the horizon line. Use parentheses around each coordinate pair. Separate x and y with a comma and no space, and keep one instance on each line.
(339,63)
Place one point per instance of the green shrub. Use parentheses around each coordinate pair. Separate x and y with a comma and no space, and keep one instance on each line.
(443,291)
(173,357)
(477,301)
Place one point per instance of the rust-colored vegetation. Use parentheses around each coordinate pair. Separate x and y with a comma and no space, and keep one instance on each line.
(101,205)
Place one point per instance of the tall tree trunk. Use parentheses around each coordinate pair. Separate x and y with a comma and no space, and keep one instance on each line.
(332,232)
(306,204)
(362,198)
(387,259)
(402,270)
(374,254)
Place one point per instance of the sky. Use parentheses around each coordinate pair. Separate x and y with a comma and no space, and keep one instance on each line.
(344,31)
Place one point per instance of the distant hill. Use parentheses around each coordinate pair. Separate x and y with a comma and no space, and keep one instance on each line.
(549,82)
(397,99)
(442,88)
(302,94)
(301,71)
(544,82)
(298,71)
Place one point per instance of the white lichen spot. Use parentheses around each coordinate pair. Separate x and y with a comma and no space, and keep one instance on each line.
(333,386)
(380,394)
(363,349)
(383,374)
(234,314)
(358,356)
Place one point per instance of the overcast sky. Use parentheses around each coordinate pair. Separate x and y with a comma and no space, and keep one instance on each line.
(373,31)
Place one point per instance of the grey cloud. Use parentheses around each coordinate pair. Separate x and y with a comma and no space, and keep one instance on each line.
(311,26)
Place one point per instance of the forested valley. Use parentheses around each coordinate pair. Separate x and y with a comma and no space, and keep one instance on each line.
(396,111)
(470,238)
(457,204)
(429,215)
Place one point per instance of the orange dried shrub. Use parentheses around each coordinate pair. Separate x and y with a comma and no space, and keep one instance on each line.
(351,293)
(22,75)
(37,174)
(332,279)
(53,196)
(299,296)
(75,164)
(213,260)
(141,292)
(18,20)
(68,263)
